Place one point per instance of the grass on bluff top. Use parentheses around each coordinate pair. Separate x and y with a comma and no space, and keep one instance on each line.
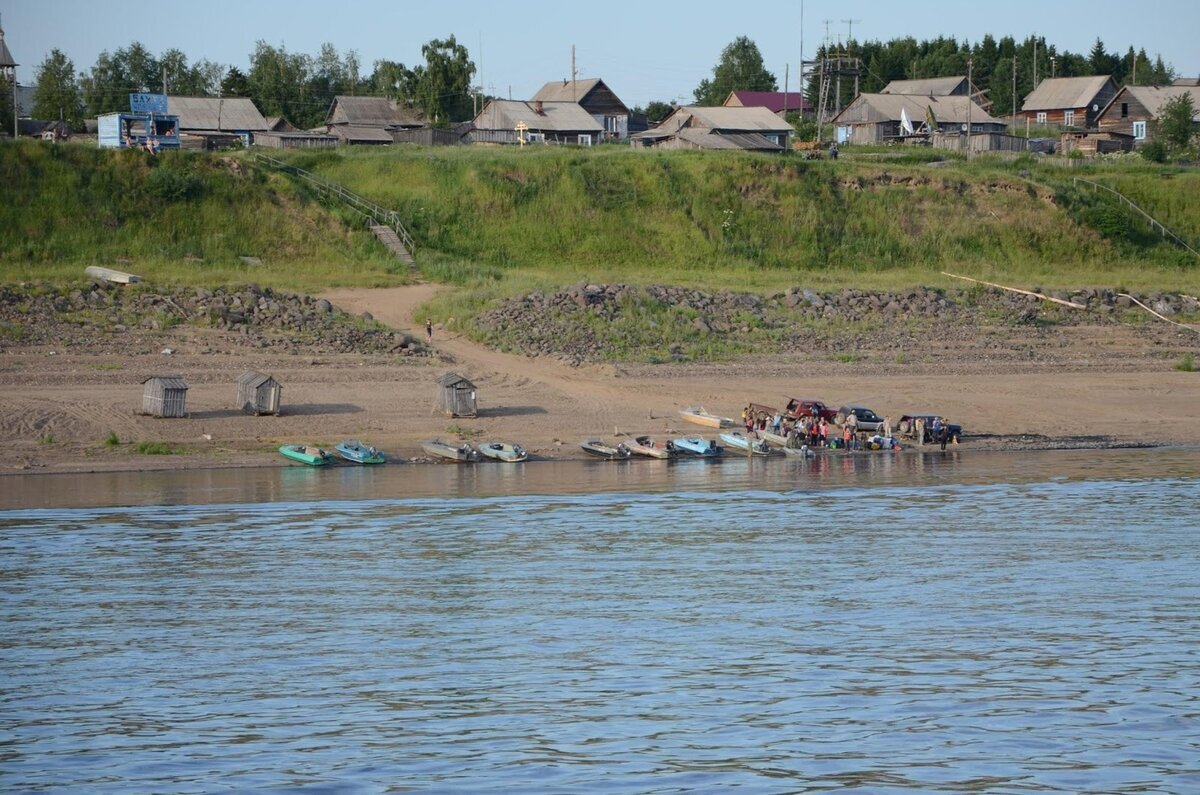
(182,217)
(503,220)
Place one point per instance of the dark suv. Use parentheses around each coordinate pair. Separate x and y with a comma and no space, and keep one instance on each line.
(867,420)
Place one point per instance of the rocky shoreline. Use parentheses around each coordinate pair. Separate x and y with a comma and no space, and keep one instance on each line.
(99,316)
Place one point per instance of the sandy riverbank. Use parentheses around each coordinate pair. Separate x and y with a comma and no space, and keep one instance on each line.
(1086,387)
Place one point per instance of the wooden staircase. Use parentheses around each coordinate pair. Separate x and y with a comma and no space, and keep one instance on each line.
(383,223)
(391,241)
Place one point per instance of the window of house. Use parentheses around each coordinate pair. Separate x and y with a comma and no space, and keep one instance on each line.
(1041,117)
(1124,109)
(1069,118)
(1139,130)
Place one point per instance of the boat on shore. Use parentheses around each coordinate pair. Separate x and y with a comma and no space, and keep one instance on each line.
(698,415)
(803,451)
(773,439)
(646,446)
(462,453)
(603,450)
(697,446)
(503,451)
(739,441)
(355,451)
(305,454)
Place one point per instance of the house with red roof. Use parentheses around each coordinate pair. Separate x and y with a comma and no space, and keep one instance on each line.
(778,102)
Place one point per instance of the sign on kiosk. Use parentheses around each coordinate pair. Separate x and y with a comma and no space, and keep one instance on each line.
(148,103)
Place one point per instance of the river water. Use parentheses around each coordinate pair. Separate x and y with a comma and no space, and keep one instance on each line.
(983,622)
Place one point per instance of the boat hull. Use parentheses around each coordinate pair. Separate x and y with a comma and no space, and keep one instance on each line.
(305,454)
(606,451)
(741,443)
(502,451)
(645,446)
(697,447)
(698,416)
(357,453)
(462,454)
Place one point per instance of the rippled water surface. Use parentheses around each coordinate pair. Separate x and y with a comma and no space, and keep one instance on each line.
(1004,625)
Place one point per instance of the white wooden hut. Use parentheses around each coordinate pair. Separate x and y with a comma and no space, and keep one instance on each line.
(456,396)
(164,396)
(258,393)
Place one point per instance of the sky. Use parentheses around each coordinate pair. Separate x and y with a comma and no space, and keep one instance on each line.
(643,52)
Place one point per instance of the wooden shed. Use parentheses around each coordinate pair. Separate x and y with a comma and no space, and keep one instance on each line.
(164,396)
(456,396)
(258,393)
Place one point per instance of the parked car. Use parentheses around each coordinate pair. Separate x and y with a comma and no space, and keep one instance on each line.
(908,426)
(805,407)
(867,420)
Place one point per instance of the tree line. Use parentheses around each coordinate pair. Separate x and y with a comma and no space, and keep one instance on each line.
(297,86)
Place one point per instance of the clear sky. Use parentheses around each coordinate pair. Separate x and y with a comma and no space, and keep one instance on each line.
(643,50)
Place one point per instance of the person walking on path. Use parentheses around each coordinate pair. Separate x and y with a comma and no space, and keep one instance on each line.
(429,330)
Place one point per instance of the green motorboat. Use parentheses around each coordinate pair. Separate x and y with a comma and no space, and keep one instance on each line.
(305,454)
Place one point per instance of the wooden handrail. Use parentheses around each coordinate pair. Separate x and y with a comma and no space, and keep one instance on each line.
(1154,222)
(364,207)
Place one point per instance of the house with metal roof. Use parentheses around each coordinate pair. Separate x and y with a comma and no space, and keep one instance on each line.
(879,118)
(596,98)
(1068,101)
(956,86)
(509,121)
(1133,108)
(752,129)
(778,102)
(214,122)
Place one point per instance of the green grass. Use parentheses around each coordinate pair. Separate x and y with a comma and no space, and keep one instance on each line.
(153,448)
(183,218)
(1186,364)
(112,440)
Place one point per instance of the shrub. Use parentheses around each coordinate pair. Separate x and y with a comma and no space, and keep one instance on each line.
(171,184)
(1155,152)
(1187,364)
(112,439)
(154,448)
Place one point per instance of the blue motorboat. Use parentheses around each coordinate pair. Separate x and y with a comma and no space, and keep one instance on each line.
(697,446)
(356,451)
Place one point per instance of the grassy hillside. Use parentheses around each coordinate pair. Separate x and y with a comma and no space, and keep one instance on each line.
(544,217)
(182,217)
(502,221)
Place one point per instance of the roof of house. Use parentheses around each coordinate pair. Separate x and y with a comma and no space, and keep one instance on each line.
(874,108)
(929,86)
(724,119)
(372,112)
(1186,81)
(453,379)
(711,139)
(774,101)
(569,90)
(505,114)
(1153,98)
(216,114)
(6,58)
(1056,93)
(253,379)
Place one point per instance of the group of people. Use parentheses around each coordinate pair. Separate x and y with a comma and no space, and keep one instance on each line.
(812,431)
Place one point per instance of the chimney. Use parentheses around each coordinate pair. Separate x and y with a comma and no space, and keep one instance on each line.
(537,107)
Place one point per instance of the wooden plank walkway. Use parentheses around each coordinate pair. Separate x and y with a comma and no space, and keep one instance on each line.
(391,241)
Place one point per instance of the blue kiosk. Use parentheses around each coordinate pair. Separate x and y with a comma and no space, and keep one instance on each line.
(147,126)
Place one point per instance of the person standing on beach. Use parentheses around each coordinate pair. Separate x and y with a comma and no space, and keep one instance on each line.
(429,330)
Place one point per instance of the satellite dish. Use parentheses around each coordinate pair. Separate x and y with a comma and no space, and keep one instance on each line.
(1095,107)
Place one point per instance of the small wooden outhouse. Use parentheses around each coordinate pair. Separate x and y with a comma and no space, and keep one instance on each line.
(258,393)
(164,396)
(456,396)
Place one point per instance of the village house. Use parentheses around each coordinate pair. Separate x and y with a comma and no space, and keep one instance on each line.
(956,86)
(879,118)
(509,121)
(216,122)
(596,98)
(1068,101)
(369,120)
(753,129)
(778,102)
(1133,108)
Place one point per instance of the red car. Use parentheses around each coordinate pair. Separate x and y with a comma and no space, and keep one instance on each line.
(800,407)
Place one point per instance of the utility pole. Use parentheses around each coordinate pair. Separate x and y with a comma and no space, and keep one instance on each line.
(785,90)
(1053,65)
(1035,63)
(164,80)
(970,102)
(573,74)
(1014,91)
(850,29)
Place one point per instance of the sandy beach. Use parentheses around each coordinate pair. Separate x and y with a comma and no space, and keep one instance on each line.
(1087,387)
